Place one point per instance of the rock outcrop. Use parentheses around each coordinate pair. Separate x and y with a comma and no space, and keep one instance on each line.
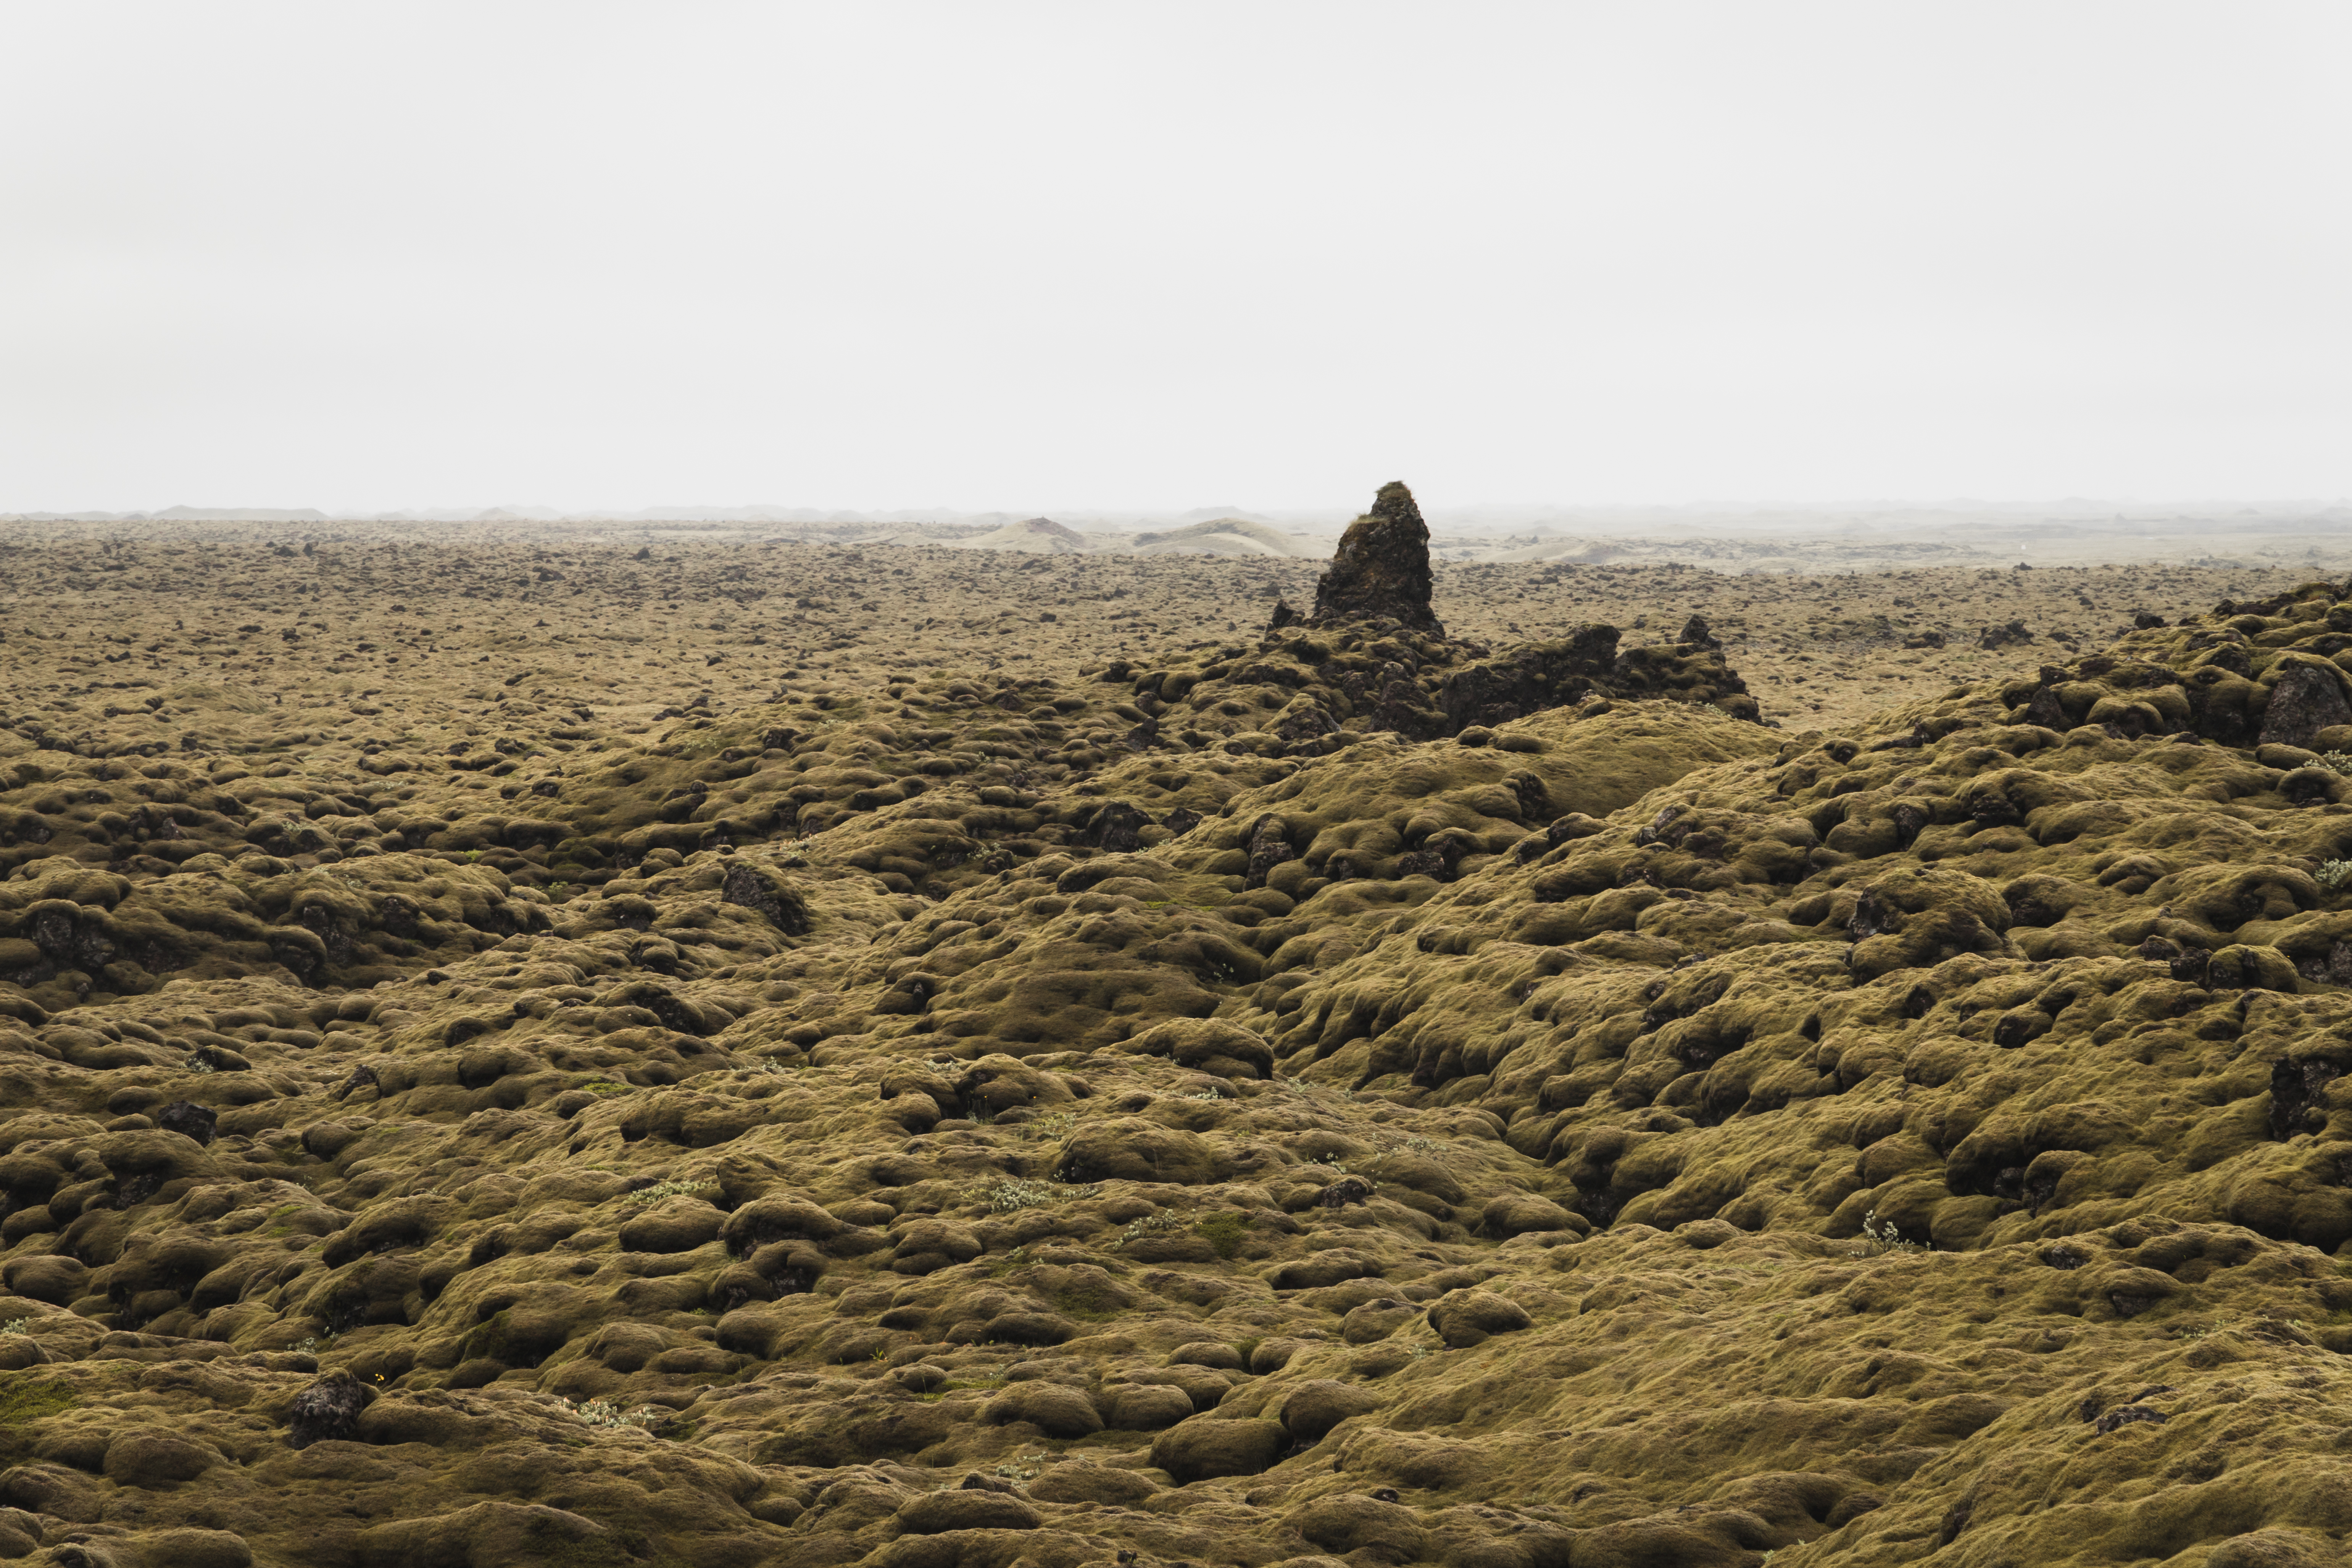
(1382,569)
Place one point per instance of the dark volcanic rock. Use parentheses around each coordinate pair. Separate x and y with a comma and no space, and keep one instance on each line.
(1536,676)
(1268,846)
(1115,828)
(1381,568)
(782,907)
(328,1411)
(2305,701)
(1529,678)
(195,1121)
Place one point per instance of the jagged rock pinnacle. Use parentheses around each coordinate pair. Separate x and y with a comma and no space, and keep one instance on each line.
(1381,567)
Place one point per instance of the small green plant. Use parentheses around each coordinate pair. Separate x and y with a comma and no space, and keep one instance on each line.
(1330,1163)
(604,1413)
(661,1190)
(2332,875)
(1882,1236)
(15,1325)
(1150,1224)
(1008,1197)
(1023,1466)
(1057,1125)
(989,1377)
(1011,1196)
(2338,762)
(198,1062)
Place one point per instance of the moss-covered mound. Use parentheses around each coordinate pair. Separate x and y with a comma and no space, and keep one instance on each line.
(1347,1095)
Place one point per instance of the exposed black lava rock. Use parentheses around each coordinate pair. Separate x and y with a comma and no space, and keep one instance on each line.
(1115,827)
(2305,701)
(783,908)
(195,1121)
(1381,568)
(328,1411)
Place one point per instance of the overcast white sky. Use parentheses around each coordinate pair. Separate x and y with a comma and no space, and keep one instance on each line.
(1081,256)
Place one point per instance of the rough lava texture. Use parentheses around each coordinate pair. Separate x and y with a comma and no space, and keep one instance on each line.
(1382,569)
(891,1091)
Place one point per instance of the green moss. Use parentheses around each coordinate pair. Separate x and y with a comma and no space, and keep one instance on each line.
(1089,1304)
(1224,1231)
(25,1399)
(279,1221)
(484,1339)
(609,1551)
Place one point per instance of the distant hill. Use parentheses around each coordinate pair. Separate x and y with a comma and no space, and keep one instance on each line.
(1038,535)
(238,514)
(1221,514)
(1225,536)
